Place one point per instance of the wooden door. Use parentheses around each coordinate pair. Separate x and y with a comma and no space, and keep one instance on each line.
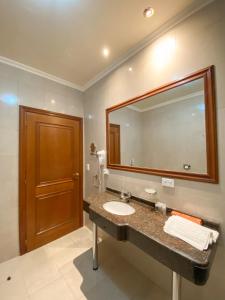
(50,176)
(114,144)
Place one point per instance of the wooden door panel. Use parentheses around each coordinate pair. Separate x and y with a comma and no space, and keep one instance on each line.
(63,212)
(51,187)
(52,159)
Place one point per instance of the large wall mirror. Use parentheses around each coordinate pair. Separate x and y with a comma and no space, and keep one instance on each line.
(170,131)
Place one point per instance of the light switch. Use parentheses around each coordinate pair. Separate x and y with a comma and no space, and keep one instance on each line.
(88,167)
(168,182)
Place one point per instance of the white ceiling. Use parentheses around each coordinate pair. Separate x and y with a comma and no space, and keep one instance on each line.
(65,37)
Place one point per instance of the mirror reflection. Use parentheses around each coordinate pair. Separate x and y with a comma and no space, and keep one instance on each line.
(166,131)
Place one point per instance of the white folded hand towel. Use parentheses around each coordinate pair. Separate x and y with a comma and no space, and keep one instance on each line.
(196,235)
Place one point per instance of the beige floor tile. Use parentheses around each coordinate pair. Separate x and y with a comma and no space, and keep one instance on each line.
(83,243)
(37,270)
(80,233)
(65,256)
(62,252)
(63,270)
(58,245)
(37,278)
(10,268)
(80,276)
(57,290)
(36,256)
(13,290)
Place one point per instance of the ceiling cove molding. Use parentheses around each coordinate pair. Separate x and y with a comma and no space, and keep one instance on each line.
(166,27)
(122,59)
(40,73)
(165,103)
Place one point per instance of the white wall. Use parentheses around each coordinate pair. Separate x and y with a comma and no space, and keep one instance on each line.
(21,88)
(174,135)
(199,42)
(165,137)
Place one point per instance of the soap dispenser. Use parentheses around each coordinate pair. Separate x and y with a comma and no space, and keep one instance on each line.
(152,194)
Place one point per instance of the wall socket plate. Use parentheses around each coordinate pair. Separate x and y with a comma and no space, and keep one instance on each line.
(168,182)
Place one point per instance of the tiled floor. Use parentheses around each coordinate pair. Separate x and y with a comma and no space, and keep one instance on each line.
(62,270)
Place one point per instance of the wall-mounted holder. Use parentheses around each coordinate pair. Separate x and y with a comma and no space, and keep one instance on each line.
(93,150)
(151,194)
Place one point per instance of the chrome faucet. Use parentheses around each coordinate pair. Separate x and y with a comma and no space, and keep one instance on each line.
(125,196)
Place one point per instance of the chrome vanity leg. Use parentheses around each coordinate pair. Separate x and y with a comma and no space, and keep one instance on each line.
(95,247)
(176,287)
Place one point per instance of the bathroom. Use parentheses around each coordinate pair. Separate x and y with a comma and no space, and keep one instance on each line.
(51,63)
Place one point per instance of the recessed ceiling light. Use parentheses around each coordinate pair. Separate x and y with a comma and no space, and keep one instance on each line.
(105,52)
(149,12)
(53,101)
(130,69)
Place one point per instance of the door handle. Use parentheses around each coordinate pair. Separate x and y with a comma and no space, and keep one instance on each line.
(75,175)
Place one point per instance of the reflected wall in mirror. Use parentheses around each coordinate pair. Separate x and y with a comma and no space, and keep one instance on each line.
(170,131)
(165,131)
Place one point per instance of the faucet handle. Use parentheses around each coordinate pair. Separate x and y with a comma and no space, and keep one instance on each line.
(125,196)
(129,194)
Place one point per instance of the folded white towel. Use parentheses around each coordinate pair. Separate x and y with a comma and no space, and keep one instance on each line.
(196,235)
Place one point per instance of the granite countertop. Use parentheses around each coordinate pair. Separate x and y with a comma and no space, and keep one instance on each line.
(149,224)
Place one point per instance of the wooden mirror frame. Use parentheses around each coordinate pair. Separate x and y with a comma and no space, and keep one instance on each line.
(210,126)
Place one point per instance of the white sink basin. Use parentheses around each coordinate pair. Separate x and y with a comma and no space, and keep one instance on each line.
(119,208)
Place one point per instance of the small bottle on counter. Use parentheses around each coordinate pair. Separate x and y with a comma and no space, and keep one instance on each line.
(161,207)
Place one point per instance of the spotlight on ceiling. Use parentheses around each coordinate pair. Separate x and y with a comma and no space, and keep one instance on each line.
(105,52)
(148,12)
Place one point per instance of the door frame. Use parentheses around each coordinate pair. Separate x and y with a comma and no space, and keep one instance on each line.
(22,168)
(116,126)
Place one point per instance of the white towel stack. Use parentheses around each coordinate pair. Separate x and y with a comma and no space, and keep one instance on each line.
(196,235)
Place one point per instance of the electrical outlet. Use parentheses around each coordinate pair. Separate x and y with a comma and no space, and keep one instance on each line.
(168,182)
